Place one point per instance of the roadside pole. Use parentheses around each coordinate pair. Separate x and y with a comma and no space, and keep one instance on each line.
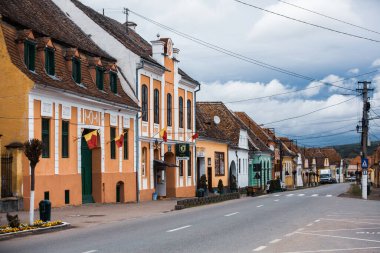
(366,107)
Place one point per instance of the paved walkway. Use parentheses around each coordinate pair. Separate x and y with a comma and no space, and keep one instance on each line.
(94,214)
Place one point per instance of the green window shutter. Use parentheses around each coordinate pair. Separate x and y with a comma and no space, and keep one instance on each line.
(49,61)
(113,144)
(45,138)
(67,196)
(125,144)
(65,139)
(29,55)
(100,78)
(26,54)
(113,82)
(76,70)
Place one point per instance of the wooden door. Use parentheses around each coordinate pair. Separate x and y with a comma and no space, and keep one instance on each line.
(86,171)
(209,178)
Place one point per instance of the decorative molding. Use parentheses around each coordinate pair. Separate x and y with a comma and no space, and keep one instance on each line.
(46,108)
(113,120)
(66,112)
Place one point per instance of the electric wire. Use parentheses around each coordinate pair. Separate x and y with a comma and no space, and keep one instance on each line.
(329,17)
(307,23)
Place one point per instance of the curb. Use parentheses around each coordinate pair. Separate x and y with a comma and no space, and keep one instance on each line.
(65,225)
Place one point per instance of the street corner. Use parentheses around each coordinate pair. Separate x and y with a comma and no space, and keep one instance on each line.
(332,233)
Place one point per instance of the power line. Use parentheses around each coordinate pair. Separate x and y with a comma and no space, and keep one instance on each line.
(234,54)
(306,114)
(329,17)
(307,23)
(329,135)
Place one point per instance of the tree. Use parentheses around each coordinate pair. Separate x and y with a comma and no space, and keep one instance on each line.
(33,151)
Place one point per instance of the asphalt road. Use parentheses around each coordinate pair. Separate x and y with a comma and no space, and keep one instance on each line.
(310,220)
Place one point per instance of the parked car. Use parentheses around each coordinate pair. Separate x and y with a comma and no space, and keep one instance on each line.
(282,184)
(351,179)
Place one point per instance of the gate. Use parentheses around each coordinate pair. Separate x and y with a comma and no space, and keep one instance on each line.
(6,175)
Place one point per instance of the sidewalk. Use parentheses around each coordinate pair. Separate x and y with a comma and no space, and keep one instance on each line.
(92,214)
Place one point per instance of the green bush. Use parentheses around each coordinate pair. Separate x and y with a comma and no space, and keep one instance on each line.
(220,186)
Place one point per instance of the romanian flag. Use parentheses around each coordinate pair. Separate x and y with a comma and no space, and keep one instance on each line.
(119,140)
(92,139)
(195,136)
(164,135)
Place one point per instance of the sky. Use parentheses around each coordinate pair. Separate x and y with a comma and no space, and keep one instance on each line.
(318,54)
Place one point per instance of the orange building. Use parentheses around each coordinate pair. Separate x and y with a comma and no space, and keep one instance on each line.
(58,85)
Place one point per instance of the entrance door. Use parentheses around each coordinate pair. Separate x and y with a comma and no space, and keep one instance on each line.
(86,171)
(209,178)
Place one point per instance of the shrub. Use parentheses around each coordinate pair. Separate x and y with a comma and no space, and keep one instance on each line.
(220,186)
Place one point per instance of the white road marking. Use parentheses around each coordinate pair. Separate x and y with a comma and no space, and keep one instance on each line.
(230,214)
(314,195)
(260,248)
(342,229)
(328,195)
(276,200)
(260,205)
(289,195)
(176,229)
(275,241)
(317,220)
(290,234)
(332,250)
(341,237)
(90,251)
(300,229)
(351,221)
(277,195)
(310,224)
(300,195)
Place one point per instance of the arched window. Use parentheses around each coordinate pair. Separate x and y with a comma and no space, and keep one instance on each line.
(169,109)
(143,161)
(180,110)
(188,114)
(144,102)
(156,106)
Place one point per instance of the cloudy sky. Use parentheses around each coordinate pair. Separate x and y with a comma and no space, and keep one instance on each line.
(313,52)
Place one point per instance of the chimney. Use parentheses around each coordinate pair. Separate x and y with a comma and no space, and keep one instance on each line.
(176,53)
(158,51)
(132,25)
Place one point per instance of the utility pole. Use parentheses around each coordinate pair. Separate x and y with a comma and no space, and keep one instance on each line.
(364,140)
(126,12)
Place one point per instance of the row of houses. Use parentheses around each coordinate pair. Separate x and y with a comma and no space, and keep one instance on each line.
(69,72)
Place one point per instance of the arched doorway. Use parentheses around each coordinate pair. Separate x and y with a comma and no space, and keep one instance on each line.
(120,192)
(233,176)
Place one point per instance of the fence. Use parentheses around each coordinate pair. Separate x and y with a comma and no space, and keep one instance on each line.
(6,175)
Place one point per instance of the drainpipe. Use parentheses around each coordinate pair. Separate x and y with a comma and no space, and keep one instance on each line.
(137,135)
(237,169)
(195,130)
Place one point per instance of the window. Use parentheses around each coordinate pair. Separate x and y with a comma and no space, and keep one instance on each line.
(113,144)
(143,161)
(76,70)
(100,78)
(144,102)
(125,144)
(67,196)
(45,138)
(49,61)
(219,164)
(181,168)
(169,109)
(156,106)
(188,114)
(30,55)
(113,82)
(65,139)
(180,109)
(189,166)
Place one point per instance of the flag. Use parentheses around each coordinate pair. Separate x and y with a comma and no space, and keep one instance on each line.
(164,134)
(195,136)
(92,139)
(119,140)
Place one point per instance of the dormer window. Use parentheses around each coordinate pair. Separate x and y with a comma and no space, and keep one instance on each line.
(30,54)
(100,78)
(49,61)
(76,70)
(113,82)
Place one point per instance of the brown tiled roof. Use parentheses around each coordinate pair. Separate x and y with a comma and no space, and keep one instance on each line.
(33,11)
(44,17)
(187,77)
(333,155)
(257,142)
(255,128)
(228,129)
(289,148)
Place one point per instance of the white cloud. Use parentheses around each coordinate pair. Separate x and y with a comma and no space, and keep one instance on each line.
(353,71)
(376,63)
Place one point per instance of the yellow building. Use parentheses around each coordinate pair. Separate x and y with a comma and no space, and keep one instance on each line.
(57,85)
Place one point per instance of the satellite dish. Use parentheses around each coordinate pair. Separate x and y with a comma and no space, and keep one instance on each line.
(216,120)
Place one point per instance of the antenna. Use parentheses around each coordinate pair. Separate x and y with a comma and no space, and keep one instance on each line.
(126,12)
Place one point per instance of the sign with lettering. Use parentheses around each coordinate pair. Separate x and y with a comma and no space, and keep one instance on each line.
(91,117)
(182,151)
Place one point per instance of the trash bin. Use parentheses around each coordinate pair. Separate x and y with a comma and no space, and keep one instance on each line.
(45,210)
